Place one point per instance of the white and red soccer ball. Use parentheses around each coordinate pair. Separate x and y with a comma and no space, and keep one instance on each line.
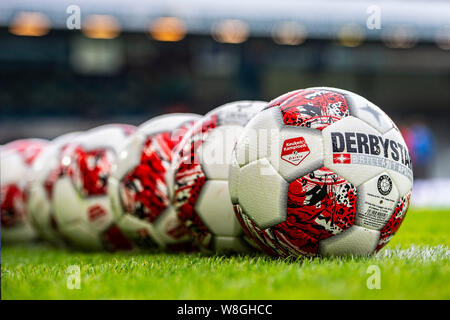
(201,168)
(141,184)
(81,205)
(321,171)
(16,159)
(44,173)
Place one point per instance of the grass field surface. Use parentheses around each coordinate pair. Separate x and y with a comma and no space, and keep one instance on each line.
(415,265)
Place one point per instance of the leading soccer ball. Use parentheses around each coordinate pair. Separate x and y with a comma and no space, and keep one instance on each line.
(321,171)
(201,168)
(81,205)
(16,159)
(140,186)
(44,173)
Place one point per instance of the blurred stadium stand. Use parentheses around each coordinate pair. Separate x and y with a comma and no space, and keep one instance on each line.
(135,59)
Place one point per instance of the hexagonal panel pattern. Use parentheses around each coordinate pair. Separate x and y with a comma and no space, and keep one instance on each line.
(170,228)
(356,240)
(258,136)
(230,244)
(233,179)
(215,209)
(215,152)
(263,193)
(142,233)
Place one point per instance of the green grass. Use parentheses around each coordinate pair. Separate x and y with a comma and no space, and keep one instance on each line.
(413,266)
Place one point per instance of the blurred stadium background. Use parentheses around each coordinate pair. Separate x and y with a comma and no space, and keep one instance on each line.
(73,65)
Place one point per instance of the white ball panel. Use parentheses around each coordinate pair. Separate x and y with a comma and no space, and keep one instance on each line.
(110,136)
(114,198)
(39,210)
(129,156)
(403,183)
(215,209)
(45,163)
(238,112)
(65,138)
(215,152)
(167,122)
(39,203)
(259,135)
(20,233)
(131,226)
(170,180)
(263,193)
(230,244)
(12,168)
(356,241)
(72,213)
(66,202)
(377,199)
(168,220)
(81,236)
(233,179)
(371,114)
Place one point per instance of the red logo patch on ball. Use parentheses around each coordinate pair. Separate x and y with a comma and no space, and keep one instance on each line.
(95,212)
(294,150)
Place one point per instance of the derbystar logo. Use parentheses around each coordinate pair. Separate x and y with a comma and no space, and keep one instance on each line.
(295,150)
(347,144)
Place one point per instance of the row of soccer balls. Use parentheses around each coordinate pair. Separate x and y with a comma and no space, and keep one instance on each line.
(314,171)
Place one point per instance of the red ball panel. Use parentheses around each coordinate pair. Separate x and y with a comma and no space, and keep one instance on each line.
(145,192)
(89,170)
(394,223)
(190,178)
(312,108)
(13,206)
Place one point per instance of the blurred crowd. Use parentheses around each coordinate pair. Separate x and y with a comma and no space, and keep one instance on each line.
(421,143)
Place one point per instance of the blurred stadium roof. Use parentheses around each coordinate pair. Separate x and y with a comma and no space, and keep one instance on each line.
(320,18)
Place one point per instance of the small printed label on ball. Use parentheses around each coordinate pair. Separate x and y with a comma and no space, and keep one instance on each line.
(295,150)
(377,202)
(375,216)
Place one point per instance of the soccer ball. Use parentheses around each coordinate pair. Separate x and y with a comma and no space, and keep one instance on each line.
(16,159)
(44,173)
(321,171)
(81,205)
(201,167)
(140,186)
